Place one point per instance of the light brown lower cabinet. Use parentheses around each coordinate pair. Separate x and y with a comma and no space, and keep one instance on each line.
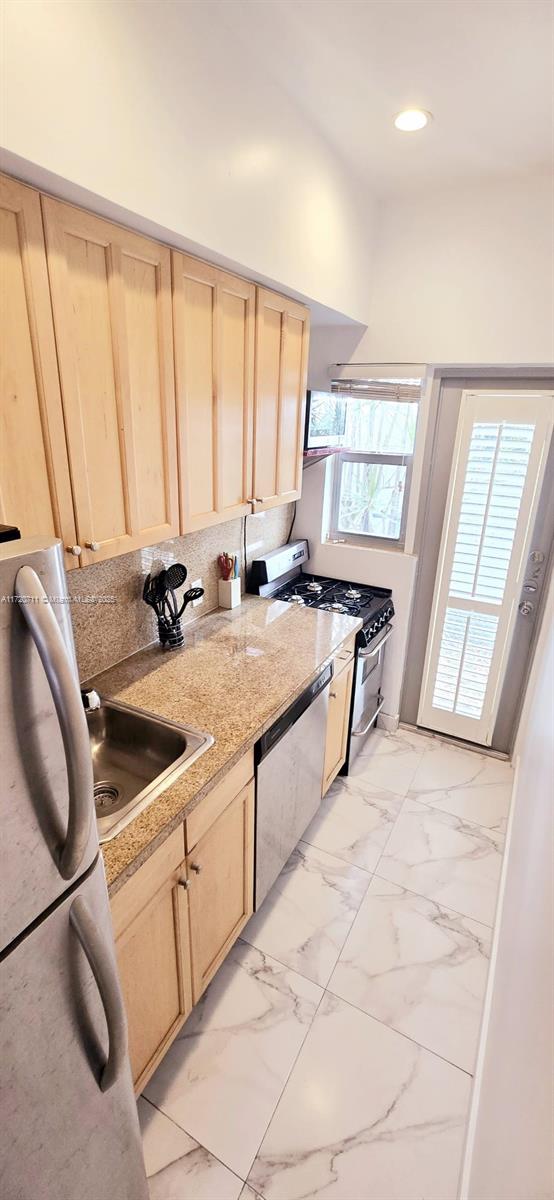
(179,914)
(340,693)
(221,890)
(151,927)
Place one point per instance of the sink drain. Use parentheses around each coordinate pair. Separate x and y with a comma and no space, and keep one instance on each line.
(106,796)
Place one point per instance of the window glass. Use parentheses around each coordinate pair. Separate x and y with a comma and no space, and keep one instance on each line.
(380,426)
(371,498)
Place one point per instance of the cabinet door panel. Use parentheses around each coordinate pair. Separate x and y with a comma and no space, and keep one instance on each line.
(141,288)
(267,401)
(220,871)
(235,383)
(292,406)
(282,332)
(196,383)
(148,964)
(214,359)
(35,492)
(112,315)
(337,724)
(100,485)
(153,957)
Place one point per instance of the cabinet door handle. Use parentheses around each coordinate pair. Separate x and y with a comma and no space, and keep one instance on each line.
(92,545)
(184,883)
(74,550)
(333,695)
(196,868)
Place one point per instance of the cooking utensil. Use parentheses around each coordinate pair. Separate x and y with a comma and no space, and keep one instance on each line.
(175,576)
(192,594)
(150,594)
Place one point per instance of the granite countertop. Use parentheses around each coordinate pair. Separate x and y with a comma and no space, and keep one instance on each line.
(239,670)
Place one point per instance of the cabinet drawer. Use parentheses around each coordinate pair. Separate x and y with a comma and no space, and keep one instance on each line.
(217,800)
(343,657)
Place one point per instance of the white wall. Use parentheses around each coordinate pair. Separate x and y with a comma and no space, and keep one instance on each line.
(510,1149)
(464,276)
(382,568)
(159,109)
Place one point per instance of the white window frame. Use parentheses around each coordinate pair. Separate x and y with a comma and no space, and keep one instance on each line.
(370,539)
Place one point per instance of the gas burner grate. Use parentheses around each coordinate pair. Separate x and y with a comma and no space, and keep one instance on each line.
(338,606)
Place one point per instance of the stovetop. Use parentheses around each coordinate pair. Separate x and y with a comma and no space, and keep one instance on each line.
(374,605)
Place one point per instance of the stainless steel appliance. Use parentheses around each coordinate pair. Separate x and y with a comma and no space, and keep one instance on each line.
(68,1114)
(289,775)
(280,575)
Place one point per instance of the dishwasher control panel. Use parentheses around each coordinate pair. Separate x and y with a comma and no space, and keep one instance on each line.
(292,714)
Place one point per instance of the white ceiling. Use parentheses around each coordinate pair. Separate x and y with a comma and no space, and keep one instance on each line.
(484,68)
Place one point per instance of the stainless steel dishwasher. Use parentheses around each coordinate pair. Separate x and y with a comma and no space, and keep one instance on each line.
(289,775)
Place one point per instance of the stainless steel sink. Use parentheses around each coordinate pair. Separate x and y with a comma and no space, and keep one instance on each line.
(135,757)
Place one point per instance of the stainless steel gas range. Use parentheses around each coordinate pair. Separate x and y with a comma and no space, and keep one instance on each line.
(280,575)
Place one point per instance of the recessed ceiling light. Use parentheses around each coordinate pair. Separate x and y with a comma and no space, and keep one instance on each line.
(412,119)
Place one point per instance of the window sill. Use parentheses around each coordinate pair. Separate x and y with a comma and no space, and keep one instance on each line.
(361,543)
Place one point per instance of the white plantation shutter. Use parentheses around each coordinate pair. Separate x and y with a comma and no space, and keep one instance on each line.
(499,460)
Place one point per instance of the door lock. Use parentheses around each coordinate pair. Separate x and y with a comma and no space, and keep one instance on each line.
(526,608)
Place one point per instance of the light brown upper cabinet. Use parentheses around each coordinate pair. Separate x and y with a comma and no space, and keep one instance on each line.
(35,492)
(213,315)
(282,336)
(111,300)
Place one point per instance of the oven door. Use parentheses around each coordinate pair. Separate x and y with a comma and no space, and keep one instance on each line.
(367,698)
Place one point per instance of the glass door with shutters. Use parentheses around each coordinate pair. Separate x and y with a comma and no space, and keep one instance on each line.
(499,461)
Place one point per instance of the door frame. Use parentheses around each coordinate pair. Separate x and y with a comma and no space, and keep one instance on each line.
(482,731)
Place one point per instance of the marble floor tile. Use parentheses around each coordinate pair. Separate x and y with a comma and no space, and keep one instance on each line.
(222,1077)
(446,859)
(248,1194)
(476,787)
(354,821)
(177,1167)
(419,968)
(390,760)
(304,920)
(366,1115)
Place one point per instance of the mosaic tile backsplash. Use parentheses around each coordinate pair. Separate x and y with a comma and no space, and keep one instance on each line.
(107,632)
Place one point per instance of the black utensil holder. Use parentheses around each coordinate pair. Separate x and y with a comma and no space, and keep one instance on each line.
(170,634)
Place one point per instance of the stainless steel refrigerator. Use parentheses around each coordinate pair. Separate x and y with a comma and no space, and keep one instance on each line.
(68,1119)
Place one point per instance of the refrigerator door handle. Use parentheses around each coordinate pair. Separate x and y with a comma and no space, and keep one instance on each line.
(103,968)
(66,695)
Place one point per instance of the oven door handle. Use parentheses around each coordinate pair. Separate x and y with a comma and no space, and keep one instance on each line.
(366,728)
(372,653)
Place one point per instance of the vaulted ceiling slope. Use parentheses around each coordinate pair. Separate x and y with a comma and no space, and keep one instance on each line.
(484,68)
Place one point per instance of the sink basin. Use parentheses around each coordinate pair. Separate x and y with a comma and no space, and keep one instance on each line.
(135,756)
